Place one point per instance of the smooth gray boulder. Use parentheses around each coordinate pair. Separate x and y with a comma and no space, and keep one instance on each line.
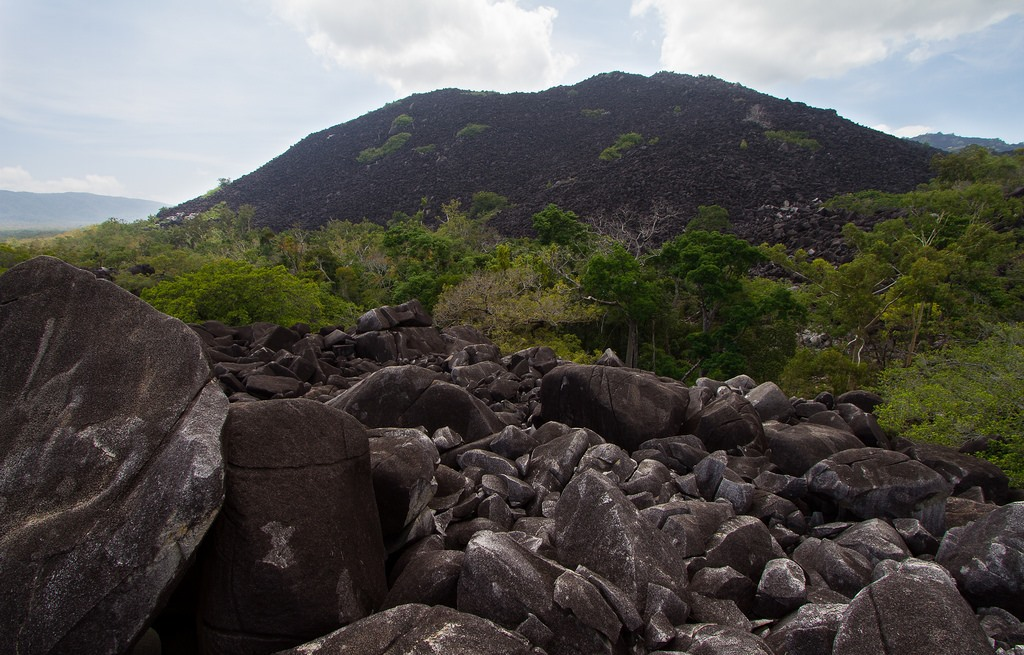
(914,610)
(730,423)
(416,628)
(796,448)
(402,463)
(297,551)
(625,406)
(110,463)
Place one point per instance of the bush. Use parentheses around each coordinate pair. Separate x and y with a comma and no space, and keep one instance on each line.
(401,121)
(960,393)
(793,137)
(810,372)
(472,129)
(622,144)
(237,293)
(393,144)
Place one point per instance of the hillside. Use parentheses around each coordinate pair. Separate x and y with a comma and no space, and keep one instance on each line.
(703,141)
(22,210)
(955,142)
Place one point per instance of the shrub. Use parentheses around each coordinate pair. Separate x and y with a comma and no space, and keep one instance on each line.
(594,113)
(622,144)
(425,150)
(472,129)
(793,137)
(401,121)
(393,144)
(237,293)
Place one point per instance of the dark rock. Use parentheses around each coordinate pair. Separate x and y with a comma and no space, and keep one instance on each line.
(410,629)
(863,424)
(744,544)
(730,423)
(781,589)
(552,464)
(811,630)
(724,583)
(770,403)
(876,483)
(916,537)
(111,464)
(842,569)
(609,459)
(964,471)
(410,396)
(410,314)
(987,559)
(297,551)
(796,448)
(505,582)
(609,358)
(876,540)
(914,610)
(432,578)
(625,406)
(596,526)
(865,400)
(725,640)
(402,464)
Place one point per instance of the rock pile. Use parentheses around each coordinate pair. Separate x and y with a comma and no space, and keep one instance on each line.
(414,491)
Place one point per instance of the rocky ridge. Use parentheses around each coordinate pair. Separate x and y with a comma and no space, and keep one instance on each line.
(703,141)
(393,488)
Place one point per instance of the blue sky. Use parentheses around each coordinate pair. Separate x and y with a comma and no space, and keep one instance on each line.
(159,100)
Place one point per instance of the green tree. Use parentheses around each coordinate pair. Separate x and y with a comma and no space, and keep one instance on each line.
(555,226)
(237,293)
(710,218)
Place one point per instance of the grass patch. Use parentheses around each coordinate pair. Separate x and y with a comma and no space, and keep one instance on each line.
(472,129)
(796,138)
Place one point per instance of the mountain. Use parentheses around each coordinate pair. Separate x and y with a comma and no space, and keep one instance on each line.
(23,210)
(953,142)
(697,141)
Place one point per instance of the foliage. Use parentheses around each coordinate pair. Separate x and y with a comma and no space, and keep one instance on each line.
(486,204)
(401,122)
(623,143)
(809,372)
(594,113)
(471,130)
(794,137)
(237,293)
(962,392)
(710,218)
(555,226)
(425,150)
(393,144)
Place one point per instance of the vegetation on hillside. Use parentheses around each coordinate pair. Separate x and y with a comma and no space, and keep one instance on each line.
(927,309)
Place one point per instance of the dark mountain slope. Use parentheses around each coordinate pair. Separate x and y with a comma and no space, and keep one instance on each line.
(956,143)
(704,141)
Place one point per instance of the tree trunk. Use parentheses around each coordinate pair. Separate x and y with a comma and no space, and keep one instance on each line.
(632,344)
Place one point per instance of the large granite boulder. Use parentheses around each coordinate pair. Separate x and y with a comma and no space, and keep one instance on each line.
(913,610)
(730,423)
(297,551)
(877,483)
(987,559)
(415,628)
(796,448)
(625,406)
(110,463)
(411,396)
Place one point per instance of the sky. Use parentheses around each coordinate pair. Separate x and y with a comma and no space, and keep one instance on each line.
(160,100)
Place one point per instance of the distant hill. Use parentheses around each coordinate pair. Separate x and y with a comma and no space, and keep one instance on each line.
(953,142)
(700,141)
(23,210)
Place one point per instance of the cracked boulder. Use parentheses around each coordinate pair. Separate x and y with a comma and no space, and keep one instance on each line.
(796,448)
(402,462)
(110,470)
(411,396)
(877,483)
(416,628)
(297,551)
(625,406)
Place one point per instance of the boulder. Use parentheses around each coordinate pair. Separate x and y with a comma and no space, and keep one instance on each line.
(625,406)
(402,464)
(111,469)
(418,628)
(987,559)
(411,396)
(730,423)
(811,630)
(914,610)
(876,483)
(298,550)
(770,402)
(410,314)
(432,578)
(964,471)
(796,448)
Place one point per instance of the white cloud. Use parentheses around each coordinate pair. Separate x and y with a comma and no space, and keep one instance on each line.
(905,130)
(414,45)
(16,178)
(765,43)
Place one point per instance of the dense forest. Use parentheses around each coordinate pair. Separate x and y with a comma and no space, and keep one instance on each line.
(926,312)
